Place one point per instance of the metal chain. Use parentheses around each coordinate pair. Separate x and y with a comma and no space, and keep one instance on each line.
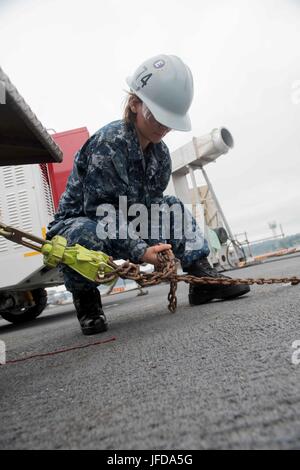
(166,271)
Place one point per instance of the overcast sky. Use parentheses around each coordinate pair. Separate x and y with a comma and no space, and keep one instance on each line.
(69,60)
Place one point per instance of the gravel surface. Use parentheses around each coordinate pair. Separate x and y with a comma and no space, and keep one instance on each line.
(217,376)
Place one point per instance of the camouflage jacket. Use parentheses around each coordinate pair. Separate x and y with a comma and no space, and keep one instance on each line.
(111,164)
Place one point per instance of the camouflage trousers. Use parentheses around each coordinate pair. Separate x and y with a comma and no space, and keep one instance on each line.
(187,249)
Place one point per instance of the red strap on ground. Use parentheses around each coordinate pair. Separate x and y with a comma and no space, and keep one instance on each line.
(60,351)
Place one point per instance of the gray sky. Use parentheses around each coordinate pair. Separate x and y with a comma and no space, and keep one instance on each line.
(69,59)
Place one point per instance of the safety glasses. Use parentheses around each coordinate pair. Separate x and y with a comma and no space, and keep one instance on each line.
(151,119)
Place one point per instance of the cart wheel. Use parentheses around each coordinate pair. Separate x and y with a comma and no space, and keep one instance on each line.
(25,314)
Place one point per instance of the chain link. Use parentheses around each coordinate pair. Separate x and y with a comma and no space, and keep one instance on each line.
(166,271)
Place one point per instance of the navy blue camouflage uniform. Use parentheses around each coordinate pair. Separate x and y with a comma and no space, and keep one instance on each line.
(111,164)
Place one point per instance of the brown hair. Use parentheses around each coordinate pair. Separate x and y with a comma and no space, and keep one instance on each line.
(128,115)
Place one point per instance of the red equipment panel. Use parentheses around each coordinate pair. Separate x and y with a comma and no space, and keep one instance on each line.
(69,142)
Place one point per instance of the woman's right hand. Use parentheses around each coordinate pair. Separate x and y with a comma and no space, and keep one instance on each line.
(150,255)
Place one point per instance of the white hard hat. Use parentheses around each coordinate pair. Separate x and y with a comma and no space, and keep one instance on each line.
(165,84)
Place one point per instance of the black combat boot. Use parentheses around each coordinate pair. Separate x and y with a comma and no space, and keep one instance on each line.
(89,311)
(200,294)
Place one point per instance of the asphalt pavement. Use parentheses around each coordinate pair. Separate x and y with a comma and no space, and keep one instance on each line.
(217,376)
